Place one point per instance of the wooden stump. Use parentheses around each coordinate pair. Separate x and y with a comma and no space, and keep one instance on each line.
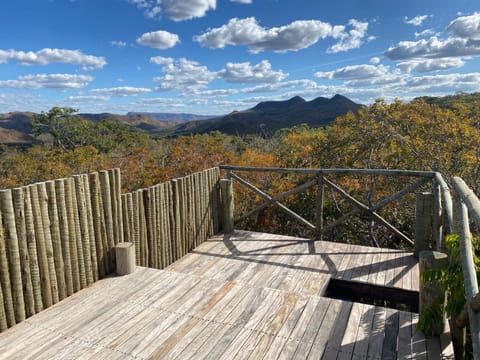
(125,258)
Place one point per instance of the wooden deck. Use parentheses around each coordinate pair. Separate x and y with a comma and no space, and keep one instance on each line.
(247,295)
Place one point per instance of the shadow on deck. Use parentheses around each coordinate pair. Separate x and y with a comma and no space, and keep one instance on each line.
(244,295)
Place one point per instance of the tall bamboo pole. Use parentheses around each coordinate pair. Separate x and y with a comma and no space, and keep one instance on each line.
(41,248)
(72,236)
(107,209)
(126,220)
(143,229)
(136,227)
(99,228)
(118,193)
(78,236)
(43,198)
(91,230)
(5,278)
(13,253)
(19,208)
(114,208)
(64,234)
(148,226)
(56,240)
(32,251)
(172,222)
(84,245)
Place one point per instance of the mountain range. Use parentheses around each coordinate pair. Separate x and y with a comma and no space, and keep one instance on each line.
(263,119)
(267,117)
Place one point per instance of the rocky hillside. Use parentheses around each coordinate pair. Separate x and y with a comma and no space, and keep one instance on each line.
(267,117)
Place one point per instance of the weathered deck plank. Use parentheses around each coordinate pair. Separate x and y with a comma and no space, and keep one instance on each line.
(234,298)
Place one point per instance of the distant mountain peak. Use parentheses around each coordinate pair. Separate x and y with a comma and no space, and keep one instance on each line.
(269,116)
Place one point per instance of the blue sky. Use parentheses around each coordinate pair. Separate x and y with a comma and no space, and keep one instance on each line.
(215,56)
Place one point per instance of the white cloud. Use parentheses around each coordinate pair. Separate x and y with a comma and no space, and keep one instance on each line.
(294,36)
(429,65)
(160,60)
(467,27)
(416,21)
(304,83)
(424,33)
(87,98)
(244,73)
(351,39)
(354,72)
(158,39)
(118,43)
(375,60)
(434,48)
(175,10)
(48,81)
(445,83)
(242,1)
(182,74)
(120,91)
(216,92)
(47,56)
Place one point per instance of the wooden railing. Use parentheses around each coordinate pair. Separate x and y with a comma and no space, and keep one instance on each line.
(58,237)
(442,203)
(168,220)
(467,203)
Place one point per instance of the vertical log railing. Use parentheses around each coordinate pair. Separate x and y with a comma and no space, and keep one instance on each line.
(467,203)
(168,220)
(58,237)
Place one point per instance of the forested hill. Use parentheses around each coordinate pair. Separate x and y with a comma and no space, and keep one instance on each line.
(267,117)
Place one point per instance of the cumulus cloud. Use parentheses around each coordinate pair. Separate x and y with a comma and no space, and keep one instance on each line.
(216,92)
(292,37)
(303,83)
(351,39)
(445,83)
(354,72)
(375,60)
(48,81)
(118,43)
(87,98)
(245,73)
(463,42)
(158,39)
(121,91)
(424,33)
(174,9)
(182,74)
(47,56)
(429,65)
(416,21)
(467,27)
(434,48)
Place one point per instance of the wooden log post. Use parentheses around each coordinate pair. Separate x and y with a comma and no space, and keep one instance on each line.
(125,258)
(64,234)
(19,208)
(56,239)
(11,240)
(430,293)
(32,251)
(226,189)
(5,283)
(319,206)
(423,222)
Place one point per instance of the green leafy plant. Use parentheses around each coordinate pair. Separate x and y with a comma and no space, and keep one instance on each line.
(450,280)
